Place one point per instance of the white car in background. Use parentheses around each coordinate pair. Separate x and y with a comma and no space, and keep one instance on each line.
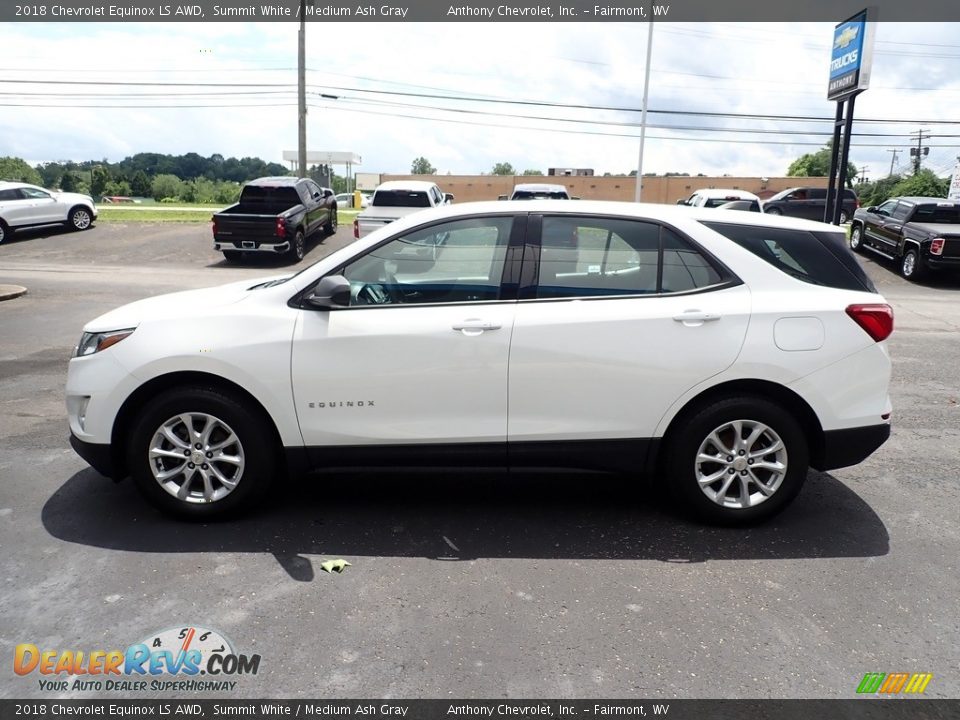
(23,206)
(720,354)
(715,197)
(345,200)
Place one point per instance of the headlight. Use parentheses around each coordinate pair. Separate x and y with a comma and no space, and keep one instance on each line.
(91,343)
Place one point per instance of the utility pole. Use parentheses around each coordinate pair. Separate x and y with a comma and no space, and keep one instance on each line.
(643,114)
(302,93)
(919,152)
(893,159)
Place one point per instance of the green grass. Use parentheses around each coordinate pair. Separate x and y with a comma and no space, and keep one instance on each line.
(122,215)
(201,214)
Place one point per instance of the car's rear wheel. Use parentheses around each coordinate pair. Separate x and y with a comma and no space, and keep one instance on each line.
(911,265)
(844,217)
(856,238)
(233,255)
(297,247)
(4,231)
(737,461)
(79,218)
(774,211)
(198,453)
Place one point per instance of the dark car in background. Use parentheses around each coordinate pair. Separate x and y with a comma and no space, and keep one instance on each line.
(275,215)
(809,203)
(743,205)
(919,233)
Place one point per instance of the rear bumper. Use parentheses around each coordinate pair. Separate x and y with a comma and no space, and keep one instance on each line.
(252,246)
(842,448)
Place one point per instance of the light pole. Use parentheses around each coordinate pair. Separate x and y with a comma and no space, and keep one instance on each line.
(302,93)
(643,114)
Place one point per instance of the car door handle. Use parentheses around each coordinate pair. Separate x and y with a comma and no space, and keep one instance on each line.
(696,317)
(475,326)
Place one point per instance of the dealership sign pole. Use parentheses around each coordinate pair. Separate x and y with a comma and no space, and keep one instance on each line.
(850,62)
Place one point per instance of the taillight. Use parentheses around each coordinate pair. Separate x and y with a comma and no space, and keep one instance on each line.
(281,229)
(876,320)
(356,228)
(936,246)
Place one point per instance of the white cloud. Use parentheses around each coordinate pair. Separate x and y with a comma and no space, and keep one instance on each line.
(752,68)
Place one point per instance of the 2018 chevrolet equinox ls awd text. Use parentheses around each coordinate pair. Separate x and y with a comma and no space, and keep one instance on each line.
(719,354)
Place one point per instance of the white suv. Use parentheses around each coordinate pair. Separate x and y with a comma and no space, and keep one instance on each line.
(721,355)
(23,205)
(715,197)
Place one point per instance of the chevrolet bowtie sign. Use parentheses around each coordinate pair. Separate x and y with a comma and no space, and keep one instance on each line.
(852,56)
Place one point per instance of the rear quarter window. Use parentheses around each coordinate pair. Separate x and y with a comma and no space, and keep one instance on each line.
(813,257)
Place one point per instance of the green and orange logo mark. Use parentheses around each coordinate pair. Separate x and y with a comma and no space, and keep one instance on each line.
(894,683)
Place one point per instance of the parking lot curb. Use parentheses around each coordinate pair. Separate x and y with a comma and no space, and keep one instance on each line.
(9,292)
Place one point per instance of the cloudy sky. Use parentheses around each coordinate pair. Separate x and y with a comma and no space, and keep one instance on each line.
(399,91)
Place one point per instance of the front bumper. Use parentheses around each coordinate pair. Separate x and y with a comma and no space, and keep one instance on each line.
(99,457)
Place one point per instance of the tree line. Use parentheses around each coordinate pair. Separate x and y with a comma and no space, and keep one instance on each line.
(170,178)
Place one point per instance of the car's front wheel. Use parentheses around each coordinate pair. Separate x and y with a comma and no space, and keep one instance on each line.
(856,238)
(737,461)
(844,217)
(4,231)
(911,265)
(80,218)
(199,452)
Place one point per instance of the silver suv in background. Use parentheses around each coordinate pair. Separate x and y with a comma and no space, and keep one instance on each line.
(23,206)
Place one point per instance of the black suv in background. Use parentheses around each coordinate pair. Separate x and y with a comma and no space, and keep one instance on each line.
(809,203)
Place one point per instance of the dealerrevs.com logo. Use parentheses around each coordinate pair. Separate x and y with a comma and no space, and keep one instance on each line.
(894,683)
(182,653)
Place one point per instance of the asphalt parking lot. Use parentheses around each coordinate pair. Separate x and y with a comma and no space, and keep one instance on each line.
(464,585)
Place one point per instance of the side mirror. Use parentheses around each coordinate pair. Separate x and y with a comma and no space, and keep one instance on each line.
(448,197)
(503,197)
(872,209)
(328,193)
(574,198)
(330,293)
(681,201)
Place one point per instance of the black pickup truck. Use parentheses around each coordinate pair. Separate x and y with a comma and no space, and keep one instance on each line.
(275,215)
(920,233)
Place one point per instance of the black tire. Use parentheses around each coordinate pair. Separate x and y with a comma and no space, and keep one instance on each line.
(298,247)
(331,227)
(220,413)
(844,217)
(80,218)
(713,503)
(233,255)
(774,211)
(856,238)
(4,231)
(911,265)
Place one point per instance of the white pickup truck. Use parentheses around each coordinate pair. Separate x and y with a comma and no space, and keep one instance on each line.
(395,199)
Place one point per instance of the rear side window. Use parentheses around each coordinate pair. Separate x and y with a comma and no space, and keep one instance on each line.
(816,258)
(596,257)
